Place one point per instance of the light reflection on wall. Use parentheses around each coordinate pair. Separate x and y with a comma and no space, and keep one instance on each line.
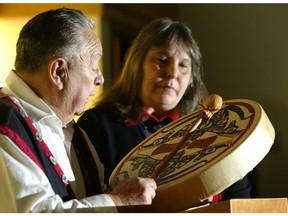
(9,31)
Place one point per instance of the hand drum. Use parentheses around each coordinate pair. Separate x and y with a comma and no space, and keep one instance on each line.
(216,154)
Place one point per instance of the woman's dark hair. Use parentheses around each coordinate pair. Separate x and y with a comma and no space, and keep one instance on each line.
(158,33)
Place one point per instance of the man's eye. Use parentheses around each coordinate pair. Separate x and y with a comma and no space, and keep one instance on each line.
(95,70)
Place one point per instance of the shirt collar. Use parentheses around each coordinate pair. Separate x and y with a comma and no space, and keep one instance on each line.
(173,114)
(35,107)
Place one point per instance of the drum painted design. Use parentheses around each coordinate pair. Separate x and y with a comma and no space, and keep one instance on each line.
(205,148)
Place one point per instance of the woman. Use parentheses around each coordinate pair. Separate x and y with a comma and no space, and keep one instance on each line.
(160,82)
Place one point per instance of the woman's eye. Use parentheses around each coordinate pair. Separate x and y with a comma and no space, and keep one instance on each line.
(184,68)
(162,60)
(183,65)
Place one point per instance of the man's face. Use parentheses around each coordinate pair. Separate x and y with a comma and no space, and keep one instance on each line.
(84,76)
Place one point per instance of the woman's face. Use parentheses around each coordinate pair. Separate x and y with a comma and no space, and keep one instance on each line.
(166,75)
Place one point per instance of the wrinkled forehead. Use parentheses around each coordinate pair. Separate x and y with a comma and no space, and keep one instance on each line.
(92,43)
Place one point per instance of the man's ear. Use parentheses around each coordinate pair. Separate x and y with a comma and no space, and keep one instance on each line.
(57,69)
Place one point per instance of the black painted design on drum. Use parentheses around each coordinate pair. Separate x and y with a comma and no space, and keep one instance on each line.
(205,144)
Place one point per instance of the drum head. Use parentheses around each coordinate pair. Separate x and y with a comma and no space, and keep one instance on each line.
(218,153)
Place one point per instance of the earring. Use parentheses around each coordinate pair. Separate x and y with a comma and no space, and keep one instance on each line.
(191,84)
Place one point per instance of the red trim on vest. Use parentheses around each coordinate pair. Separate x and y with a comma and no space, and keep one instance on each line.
(217,198)
(48,152)
(41,142)
(21,144)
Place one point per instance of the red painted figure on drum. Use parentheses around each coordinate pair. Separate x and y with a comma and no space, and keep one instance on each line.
(161,81)
(198,162)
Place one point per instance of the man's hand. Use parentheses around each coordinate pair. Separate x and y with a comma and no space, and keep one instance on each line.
(134,191)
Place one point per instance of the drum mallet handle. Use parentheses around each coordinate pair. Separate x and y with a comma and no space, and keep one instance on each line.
(209,107)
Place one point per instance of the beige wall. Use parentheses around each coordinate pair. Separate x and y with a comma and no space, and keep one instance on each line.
(9,28)
(245,50)
(14,16)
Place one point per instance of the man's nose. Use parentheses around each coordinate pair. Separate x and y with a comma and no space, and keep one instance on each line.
(99,80)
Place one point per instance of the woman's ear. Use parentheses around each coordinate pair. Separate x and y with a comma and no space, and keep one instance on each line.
(57,69)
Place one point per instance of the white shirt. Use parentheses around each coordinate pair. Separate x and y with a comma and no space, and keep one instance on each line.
(24,186)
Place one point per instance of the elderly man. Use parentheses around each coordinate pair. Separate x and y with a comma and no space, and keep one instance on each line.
(47,163)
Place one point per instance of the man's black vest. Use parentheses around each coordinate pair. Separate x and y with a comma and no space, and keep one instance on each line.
(14,125)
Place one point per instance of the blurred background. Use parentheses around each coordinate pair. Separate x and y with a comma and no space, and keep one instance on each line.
(244,48)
